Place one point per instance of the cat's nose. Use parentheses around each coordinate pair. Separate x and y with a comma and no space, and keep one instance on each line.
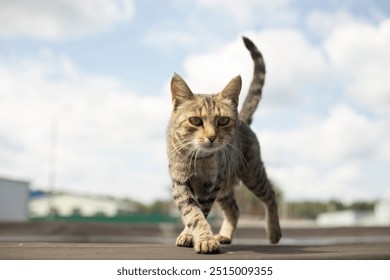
(212,138)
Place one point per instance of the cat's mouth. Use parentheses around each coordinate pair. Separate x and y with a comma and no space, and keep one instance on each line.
(210,147)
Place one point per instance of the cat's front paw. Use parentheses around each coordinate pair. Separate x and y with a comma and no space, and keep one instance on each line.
(207,246)
(185,240)
(223,239)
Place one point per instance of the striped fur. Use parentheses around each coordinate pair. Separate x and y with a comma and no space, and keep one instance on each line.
(211,148)
(254,95)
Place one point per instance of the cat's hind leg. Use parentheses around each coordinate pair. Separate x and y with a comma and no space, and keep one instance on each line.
(263,190)
(256,180)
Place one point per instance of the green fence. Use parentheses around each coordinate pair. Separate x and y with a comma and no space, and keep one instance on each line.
(128,218)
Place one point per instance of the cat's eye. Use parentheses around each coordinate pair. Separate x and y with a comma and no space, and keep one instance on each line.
(223,121)
(196,121)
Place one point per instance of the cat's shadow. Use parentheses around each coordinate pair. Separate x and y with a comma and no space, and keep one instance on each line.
(280,250)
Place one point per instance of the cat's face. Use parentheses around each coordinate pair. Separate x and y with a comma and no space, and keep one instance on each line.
(204,123)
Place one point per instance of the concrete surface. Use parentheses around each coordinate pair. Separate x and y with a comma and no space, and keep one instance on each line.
(61,240)
(115,251)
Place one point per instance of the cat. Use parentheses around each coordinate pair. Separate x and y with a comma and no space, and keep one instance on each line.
(211,148)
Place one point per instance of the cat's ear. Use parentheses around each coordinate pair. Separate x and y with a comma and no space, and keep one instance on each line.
(180,91)
(232,90)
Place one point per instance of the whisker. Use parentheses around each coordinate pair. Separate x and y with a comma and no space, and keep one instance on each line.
(182,146)
(237,151)
(192,154)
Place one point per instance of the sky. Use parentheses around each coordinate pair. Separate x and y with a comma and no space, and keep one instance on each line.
(85,98)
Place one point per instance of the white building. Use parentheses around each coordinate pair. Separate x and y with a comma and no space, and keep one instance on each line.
(379,217)
(69,204)
(14,195)
(382,213)
(345,218)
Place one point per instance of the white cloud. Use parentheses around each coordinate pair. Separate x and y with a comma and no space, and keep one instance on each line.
(245,12)
(344,136)
(203,25)
(323,24)
(308,182)
(293,66)
(61,19)
(329,157)
(168,39)
(109,139)
(359,54)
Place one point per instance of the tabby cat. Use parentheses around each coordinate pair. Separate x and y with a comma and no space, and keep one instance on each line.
(211,148)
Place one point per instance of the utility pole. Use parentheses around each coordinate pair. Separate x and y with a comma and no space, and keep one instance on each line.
(52,172)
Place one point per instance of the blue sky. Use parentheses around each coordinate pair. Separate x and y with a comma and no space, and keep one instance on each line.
(97,72)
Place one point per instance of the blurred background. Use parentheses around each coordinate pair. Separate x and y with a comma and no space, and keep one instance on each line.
(85,101)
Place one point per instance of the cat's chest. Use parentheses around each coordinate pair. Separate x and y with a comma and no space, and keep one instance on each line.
(203,182)
(205,168)
(205,175)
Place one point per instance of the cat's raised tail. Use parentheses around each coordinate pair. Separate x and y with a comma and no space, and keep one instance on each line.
(254,94)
